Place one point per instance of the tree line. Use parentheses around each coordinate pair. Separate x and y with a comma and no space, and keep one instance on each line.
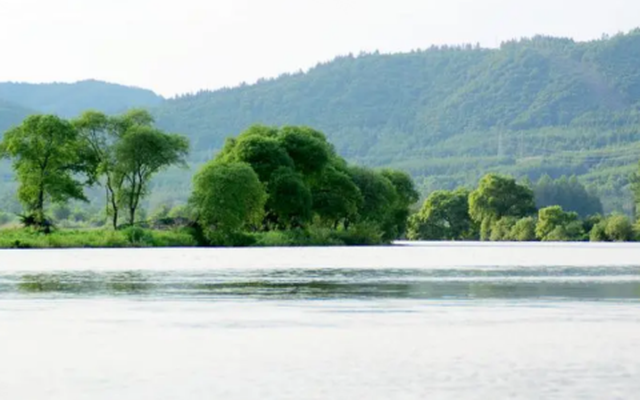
(55,159)
(501,209)
(267,179)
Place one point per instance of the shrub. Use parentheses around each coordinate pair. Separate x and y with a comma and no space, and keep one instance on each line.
(137,236)
(524,230)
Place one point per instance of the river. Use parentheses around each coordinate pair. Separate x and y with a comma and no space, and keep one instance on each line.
(412,321)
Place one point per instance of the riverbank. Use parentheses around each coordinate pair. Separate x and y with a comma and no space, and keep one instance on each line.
(21,238)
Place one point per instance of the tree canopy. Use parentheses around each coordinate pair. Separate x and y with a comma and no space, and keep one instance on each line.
(307,183)
(47,159)
(228,197)
(497,197)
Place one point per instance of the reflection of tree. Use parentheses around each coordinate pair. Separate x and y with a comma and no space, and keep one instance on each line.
(343,284)
(55,282)
(85,282)
(132,282)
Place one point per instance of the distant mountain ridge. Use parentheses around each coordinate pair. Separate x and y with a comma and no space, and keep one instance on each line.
(70,99)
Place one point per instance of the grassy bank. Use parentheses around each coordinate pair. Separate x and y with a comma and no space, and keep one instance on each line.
(22,238)
(93,238)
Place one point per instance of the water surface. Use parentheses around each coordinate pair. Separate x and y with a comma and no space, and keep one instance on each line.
(450,321)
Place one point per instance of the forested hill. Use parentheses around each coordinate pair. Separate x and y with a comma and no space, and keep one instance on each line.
(11,114)
(450,114)
(447,115)
(70,99)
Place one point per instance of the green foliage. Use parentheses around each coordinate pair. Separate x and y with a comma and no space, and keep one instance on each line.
(336,198)
(289,203)
(615,228)
(501,229)
(448,115)
(227,197)
(264,154)
(524,230)
(378,194)
(94,238)
(568,193)
(308,184)
(357,235)
(307,148)
(180,211)
(497,197)
(160,213)
(46,158)
(443,216)
(141,152)
(407,195)
(137,236)
(555,224)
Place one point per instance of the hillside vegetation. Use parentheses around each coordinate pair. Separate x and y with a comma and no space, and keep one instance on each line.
(450,114)
(11,114)
(447,115)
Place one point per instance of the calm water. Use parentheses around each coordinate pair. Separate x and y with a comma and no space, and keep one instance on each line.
(450,321)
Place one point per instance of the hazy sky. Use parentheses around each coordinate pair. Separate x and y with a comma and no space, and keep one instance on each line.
(182,46)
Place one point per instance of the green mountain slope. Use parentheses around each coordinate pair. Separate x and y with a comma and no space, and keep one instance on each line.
(11,114)
(451,114)
(70,99)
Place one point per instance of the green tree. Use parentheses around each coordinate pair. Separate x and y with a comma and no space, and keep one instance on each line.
(379,199)
(443,216)
(524,230)
(555,224)
(568,193)
(307,148)
(336,197)
(502,228)
(289,199)
(227,197)
(619,229)
(102,135)
(140,153)
(264,154)
(497,197)
(614,228)
(407,195)
(47,158)
(99,133)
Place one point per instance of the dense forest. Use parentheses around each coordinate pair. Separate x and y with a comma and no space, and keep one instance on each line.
(447,115)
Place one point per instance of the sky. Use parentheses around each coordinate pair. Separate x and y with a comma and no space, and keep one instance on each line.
(175,47)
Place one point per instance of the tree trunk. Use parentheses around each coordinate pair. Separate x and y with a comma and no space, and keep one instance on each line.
(40,205)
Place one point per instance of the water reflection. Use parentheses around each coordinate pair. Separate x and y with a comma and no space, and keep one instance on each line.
(487,283)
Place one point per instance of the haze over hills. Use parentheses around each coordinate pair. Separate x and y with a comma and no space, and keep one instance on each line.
(11,114)
(70,99)
(447,115)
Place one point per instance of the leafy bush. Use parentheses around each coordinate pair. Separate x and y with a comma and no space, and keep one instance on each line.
(524,230)
(615,228)
(137,236)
